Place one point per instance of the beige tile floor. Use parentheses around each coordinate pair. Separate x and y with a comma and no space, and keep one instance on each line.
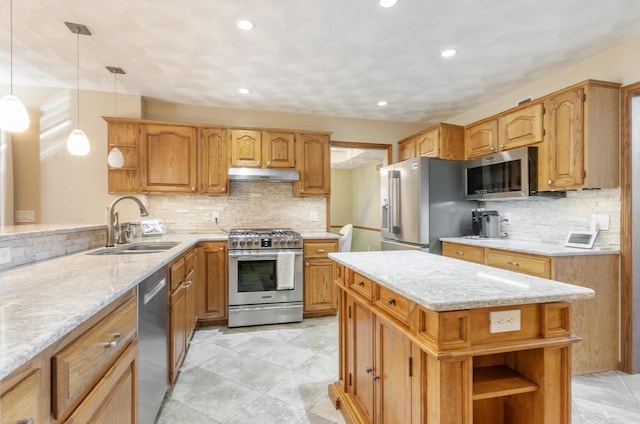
(279,374)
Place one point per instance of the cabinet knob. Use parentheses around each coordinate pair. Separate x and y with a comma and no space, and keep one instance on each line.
(301,190)
(513,263)
(376,377)
(492,148)
(269,163)
(223,189)
(502,146)
(549,182)
(193,189)
(320,250)
(258,163)
(221,248)
(391,301)
(369,370)
(25,421)
(361,283)
(306,263)
(459,253)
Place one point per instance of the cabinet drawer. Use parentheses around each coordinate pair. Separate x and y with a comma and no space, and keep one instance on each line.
(464,252)
(319,249)
(80,363)
(392,302)
(527,264)
(362,285)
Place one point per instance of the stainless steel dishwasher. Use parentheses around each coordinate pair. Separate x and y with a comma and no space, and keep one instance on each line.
(153,329)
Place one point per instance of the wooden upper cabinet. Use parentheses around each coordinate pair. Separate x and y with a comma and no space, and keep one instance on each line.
(563,161)
(246,148)
(314,164)
(278,150)
(214,170)
(481,139)
(168,159)
(407,149)
(522,127)
(443,141)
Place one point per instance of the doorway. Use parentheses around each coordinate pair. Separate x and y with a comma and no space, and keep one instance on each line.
(355,190)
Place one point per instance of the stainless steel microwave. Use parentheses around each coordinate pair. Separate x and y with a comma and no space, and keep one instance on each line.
(512,174)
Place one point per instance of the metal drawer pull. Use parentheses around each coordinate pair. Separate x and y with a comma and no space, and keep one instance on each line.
(25,421)
(459,253)
(113,343)
(188,284)
(320,250)
(513,263)
(391,301)
(361,283)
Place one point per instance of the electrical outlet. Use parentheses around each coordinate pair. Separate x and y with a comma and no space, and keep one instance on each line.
(25,216)
(215,216)
(508,218)
(5,255)
(504,321)
(600,221)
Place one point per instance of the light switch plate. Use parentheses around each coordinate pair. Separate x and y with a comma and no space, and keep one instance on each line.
(602,222)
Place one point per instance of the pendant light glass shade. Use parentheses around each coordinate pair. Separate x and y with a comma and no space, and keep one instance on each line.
(14,117)
(78,143)
(115,158)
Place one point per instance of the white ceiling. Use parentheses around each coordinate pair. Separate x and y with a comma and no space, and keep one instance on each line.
(328,57)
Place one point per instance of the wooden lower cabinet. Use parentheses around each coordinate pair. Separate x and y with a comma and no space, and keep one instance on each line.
(447,367)
(320,296)
(22,395)
(212,305)
(177,331)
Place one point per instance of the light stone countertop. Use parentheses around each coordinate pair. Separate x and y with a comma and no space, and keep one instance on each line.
(36,230)
(42,302)
(319,235)
(535,248)
(446,284)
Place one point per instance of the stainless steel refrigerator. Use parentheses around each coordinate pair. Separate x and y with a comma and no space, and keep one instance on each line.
(422,200)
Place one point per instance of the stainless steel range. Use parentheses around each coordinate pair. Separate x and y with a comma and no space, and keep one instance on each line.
(265,276)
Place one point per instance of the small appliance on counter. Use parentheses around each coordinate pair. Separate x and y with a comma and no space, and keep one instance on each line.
(485,224)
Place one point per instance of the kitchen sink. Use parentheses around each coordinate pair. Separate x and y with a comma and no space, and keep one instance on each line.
(136,248)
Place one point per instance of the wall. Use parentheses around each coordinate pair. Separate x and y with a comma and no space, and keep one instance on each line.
(66,189)
(341,196)
(550,220)
(250,204)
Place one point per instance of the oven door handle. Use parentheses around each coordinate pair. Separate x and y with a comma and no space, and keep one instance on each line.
(259,256)
(272,307)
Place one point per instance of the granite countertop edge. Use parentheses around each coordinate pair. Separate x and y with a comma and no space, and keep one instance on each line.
(534,248)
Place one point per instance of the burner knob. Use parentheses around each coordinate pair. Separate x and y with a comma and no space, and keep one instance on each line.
(256,242)
(234,242)
(241,242)
(289,242)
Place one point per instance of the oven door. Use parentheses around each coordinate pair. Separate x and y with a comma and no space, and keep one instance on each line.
(253,281)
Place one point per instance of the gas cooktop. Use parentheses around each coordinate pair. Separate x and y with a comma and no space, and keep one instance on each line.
(264,238)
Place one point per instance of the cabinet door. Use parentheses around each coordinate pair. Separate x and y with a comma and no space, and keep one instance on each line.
(191,284)
(521,128)
(428,143)
(213,150)
(319,293)
(562,160)
(177,331)
(362,359)
(168,159)
(393,390)
(313,163)
(113,399)
(278,150)
(213,290)
(481,139)
(246,148)
(407,149)
(22,401)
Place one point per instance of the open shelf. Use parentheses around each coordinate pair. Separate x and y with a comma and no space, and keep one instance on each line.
(499,380)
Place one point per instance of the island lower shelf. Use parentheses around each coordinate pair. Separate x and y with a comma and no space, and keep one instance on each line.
(403,363)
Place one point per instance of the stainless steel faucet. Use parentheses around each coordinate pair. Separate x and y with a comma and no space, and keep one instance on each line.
(113,217)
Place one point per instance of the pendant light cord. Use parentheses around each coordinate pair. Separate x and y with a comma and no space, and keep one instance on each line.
(78,74)
(115,94)
(11,44)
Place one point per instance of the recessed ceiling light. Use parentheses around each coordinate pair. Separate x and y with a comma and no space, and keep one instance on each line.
(245,24)
(449,53)
(388,3)
(243,90)
(382,103)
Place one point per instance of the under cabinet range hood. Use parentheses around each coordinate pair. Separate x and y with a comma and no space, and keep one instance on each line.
(263,174)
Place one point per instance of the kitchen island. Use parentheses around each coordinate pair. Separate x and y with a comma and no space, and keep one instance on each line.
(429,339)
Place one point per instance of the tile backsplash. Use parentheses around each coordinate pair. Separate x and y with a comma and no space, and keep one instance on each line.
(250,204)
(550,220)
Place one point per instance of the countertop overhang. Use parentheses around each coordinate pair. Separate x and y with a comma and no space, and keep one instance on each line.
(534,248)
(439,283)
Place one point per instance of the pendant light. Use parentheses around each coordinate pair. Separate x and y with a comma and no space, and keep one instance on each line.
(13,115)
(115,159)
(78,142)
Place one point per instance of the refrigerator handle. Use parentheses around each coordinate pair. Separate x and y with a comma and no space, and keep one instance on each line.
(394,201)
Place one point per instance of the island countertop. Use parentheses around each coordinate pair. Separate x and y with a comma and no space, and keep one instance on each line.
(444,284)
